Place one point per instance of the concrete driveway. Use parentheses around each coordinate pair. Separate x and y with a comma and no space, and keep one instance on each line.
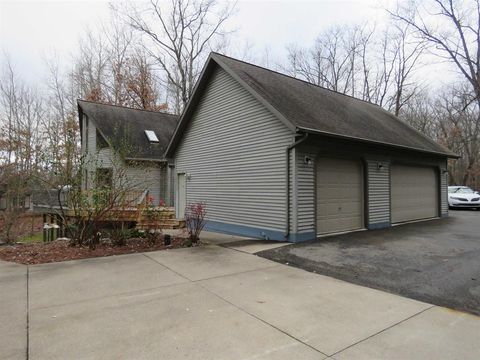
(214,302)
(436,261)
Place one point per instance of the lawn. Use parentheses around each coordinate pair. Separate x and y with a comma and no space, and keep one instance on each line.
(32,238)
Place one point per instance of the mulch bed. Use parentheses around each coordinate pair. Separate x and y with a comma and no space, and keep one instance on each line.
(60,250)
(25,224)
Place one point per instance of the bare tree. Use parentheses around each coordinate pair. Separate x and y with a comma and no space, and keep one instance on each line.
(90,68)
(327,63)
(119,40)
(141,83)
(458,121)
(21,114)
(420,112)
(453,31)
(406,57)
(354,61)
(180,36)
(452,27)
(62,147)
(21,145)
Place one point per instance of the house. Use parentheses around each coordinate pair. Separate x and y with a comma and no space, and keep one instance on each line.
(278,158)
(15,192)
(126,146)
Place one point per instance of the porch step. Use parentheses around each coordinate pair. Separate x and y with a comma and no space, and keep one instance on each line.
(161,224)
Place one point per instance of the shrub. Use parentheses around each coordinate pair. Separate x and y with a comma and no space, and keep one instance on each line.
(187,243)
(195,220)
(119,236)
(153,236)
(135,233)
(150,210)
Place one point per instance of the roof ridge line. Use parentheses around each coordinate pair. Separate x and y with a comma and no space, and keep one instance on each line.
(294,78)
(126,107)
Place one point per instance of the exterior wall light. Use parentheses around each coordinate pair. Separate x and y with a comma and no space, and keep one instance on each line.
(307,160)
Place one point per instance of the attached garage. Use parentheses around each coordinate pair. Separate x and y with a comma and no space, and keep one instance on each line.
(276,158)
(414,193)
(339,195)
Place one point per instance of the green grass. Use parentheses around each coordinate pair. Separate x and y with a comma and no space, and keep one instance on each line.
(32,238)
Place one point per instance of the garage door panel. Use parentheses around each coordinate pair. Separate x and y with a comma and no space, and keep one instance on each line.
(334,210)
(339,195)
(414,193)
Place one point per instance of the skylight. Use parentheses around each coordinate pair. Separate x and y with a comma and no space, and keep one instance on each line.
(152,137)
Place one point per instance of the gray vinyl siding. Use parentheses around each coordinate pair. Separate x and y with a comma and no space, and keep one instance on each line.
(292,193)
(170,192)
(164,187)
(444,190)
(142,176)
(305,193)
(105,158)
(146,178)
(378,192)
(233,152)
(90,151)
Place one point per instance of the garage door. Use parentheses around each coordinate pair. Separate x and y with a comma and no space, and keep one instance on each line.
(414,193)
(339,195)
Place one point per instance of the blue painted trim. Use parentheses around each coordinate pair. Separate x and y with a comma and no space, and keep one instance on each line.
(381,225)
(256,233)
(300,237)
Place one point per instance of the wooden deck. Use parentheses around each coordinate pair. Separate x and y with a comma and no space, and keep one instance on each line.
(136,209)
(153,218)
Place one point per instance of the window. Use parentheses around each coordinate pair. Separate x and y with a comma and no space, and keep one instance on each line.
(103,178)
(101,142)
(152,137)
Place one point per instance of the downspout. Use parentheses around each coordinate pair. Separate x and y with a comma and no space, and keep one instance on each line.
(287,151)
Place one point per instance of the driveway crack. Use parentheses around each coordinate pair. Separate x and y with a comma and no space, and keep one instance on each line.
(261,320)
(198,283)
(166,267)
(383,330)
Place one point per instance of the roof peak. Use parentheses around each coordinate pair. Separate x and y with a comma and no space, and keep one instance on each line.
(125,107)
(293,78)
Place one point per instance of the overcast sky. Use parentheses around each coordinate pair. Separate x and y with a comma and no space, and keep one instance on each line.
(33,30)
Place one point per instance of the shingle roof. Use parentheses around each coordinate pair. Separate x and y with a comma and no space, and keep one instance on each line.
(117,122)
(310,108)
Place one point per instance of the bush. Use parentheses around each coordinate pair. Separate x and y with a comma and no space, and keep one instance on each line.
(119,236)
(139,234)
(153,236)
(187,243)
(150,210)
(195,220)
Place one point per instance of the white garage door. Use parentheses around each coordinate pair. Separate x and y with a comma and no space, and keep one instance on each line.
(339,195)
(414,193)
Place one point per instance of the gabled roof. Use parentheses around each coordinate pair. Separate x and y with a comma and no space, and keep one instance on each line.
(305,107)
(117,123)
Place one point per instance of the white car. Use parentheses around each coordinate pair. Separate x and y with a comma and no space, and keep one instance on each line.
(463,196)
